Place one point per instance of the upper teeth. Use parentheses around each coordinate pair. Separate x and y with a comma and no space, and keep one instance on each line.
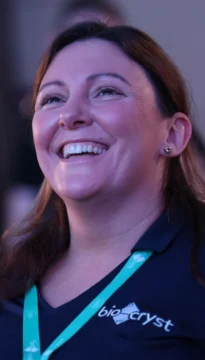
(70,149)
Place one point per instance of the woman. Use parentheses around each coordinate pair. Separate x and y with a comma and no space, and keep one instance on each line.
(109,262)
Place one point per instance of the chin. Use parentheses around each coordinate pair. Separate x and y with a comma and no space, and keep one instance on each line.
(77,192)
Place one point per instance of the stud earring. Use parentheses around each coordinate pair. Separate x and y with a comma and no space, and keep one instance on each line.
(168,149)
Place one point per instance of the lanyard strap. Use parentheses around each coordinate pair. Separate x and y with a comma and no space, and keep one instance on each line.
(31,338)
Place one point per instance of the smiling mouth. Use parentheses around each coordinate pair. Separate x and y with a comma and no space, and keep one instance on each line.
(80,149)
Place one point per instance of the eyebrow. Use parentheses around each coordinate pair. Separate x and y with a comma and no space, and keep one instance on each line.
(50,83)
(114,75)
(89,78)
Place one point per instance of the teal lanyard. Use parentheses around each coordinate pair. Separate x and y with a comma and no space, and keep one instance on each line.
(31,338)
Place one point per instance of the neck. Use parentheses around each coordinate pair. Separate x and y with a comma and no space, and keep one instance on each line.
(102,236)
(113,225)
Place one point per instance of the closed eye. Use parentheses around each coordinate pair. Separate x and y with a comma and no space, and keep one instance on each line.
(51,99)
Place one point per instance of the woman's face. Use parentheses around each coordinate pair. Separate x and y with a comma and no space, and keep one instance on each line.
(109,119)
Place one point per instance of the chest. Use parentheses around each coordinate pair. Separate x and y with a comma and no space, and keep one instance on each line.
(137,321)
(66,284)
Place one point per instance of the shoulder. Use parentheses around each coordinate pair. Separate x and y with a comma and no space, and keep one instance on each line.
(191,296)
(11,319)
(12,308)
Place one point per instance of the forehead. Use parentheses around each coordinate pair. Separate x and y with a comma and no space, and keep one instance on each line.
(92,56)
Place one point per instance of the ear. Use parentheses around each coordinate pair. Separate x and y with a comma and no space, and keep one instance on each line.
(178,134)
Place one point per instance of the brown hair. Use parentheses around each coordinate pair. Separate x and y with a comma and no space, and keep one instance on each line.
(30,249)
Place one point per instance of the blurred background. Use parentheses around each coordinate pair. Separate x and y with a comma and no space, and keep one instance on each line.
(27,27)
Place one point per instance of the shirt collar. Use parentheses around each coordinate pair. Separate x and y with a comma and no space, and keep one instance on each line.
(162,232)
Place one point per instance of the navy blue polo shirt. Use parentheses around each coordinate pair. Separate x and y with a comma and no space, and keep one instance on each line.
(159,313)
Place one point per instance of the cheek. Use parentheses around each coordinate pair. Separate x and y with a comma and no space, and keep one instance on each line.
(119,119)
(44,128)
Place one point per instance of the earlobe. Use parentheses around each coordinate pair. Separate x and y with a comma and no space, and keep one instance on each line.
(178,135)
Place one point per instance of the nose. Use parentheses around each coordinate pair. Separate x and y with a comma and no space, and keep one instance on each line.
(74,117)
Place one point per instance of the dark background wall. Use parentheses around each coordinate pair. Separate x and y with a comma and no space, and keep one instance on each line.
(4,107)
